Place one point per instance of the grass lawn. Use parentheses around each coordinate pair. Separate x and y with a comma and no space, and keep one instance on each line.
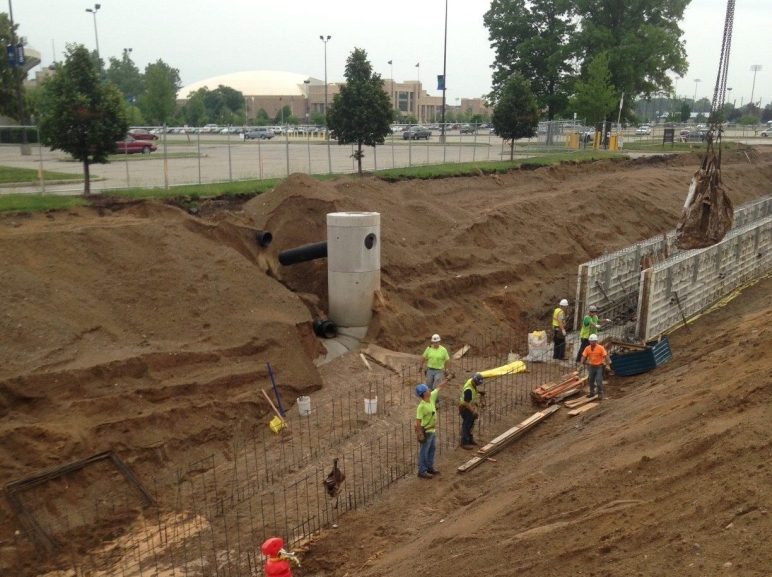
(11,175)
(255,187)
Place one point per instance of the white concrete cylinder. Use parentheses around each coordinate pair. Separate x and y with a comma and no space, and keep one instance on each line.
(353,266)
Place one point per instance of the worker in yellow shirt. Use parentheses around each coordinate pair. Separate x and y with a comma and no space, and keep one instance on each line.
(437,361)
(559,330)
(594,356)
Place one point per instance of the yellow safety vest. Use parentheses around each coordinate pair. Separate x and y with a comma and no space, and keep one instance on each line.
(468,385)
(555,322)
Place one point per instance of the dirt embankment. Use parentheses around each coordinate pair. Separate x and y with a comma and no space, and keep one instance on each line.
(130,328)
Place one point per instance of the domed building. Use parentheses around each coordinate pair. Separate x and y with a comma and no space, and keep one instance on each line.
(270,90)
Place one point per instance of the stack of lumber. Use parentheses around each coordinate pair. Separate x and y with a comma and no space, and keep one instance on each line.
(550,392)
(497,444)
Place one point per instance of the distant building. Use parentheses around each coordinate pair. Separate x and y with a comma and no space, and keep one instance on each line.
(272,90)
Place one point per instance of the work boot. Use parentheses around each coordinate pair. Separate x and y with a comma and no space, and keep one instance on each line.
(468,447)
(426,475)
(433,472)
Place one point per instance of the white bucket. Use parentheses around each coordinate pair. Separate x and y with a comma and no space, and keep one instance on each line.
(371,406)
(304,406)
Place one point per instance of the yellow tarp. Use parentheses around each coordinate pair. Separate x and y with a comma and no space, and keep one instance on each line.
(510,369)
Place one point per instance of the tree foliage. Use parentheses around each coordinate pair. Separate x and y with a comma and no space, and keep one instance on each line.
(223,105)
(641,37)
(533,39)
(553,42)
(159,100)
(126,76)
(79,113)
(515,114)
(595,99)
(8,76)
(361,112)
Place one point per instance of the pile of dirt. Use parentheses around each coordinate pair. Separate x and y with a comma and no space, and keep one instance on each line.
(139,326)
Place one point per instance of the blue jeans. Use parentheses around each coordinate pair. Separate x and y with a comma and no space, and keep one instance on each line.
(426,453)
(595,379)
(433,376)
(467,422)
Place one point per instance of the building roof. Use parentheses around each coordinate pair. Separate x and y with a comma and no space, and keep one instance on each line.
(253,83)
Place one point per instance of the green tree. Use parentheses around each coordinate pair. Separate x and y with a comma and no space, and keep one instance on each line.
(594,97)
(686,112)
(642,39)
(262,118)
(79,113)
(515,114)
(8,76)
(361,112)
(318,118)
(283,115)
(159,100)
(532,38)
(126,76)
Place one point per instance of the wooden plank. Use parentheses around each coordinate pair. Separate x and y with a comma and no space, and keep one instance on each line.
(579,402)
(583,409)
(568,393)
(461,352)
(502,440)
(275,410)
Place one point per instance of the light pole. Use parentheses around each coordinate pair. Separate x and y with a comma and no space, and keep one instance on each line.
(94,11)
(393,92)
(444,77)
(694,98)
(754,68)
(326,39)
(17,65)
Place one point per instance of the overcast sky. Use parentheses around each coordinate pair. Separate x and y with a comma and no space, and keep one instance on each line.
(204,38)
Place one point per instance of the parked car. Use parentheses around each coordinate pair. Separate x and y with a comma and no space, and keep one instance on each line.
(131,145)
(258,133)
(468,129)
(416,133)
(766,132)
(643,130)
(693,135)
(142,134)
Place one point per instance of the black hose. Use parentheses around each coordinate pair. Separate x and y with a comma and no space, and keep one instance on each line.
(325,328)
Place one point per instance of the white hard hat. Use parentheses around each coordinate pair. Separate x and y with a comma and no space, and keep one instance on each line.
(593,338)
(436,338)
(593,308)
(564,303)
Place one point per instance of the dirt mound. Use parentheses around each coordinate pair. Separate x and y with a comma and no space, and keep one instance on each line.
(143,329)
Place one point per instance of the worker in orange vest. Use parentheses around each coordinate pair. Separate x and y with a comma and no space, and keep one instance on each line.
(277,562)
(595,356)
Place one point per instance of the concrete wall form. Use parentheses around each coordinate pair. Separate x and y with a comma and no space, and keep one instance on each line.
(611,282)
(684,285)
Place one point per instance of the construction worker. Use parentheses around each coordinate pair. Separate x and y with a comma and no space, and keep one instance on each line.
(425,426)
(590,325)
(559,330)
(436,359)
(468,409)
(595,357)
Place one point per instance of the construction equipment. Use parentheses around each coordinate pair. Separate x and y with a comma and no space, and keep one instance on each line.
(708,213)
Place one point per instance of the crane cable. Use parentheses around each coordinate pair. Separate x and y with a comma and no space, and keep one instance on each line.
(719,92)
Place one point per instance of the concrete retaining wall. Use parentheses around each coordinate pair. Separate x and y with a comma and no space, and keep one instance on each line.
(689,282)
(611,282)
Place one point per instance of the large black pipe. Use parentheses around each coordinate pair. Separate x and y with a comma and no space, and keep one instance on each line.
(303,253)
(263,237)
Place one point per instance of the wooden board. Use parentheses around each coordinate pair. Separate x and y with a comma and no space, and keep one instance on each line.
(578,402)
(393,360)
(506,437)
(583,409)
(461,352)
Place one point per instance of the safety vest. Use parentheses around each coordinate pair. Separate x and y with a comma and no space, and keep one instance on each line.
(586,330)
(555,314)
(469,386)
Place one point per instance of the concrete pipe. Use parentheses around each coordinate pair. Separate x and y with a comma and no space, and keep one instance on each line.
(303,253)
(353,266)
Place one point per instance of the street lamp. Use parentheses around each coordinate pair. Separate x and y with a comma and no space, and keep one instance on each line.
(17,66)
(307,82)
(94,11)
(754,68)
(694,98)
(326,39)
(444,76)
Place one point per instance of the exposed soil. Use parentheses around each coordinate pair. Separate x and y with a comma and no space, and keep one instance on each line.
(138,326)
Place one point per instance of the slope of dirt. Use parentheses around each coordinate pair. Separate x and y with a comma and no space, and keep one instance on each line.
(138,328)
(670,476)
